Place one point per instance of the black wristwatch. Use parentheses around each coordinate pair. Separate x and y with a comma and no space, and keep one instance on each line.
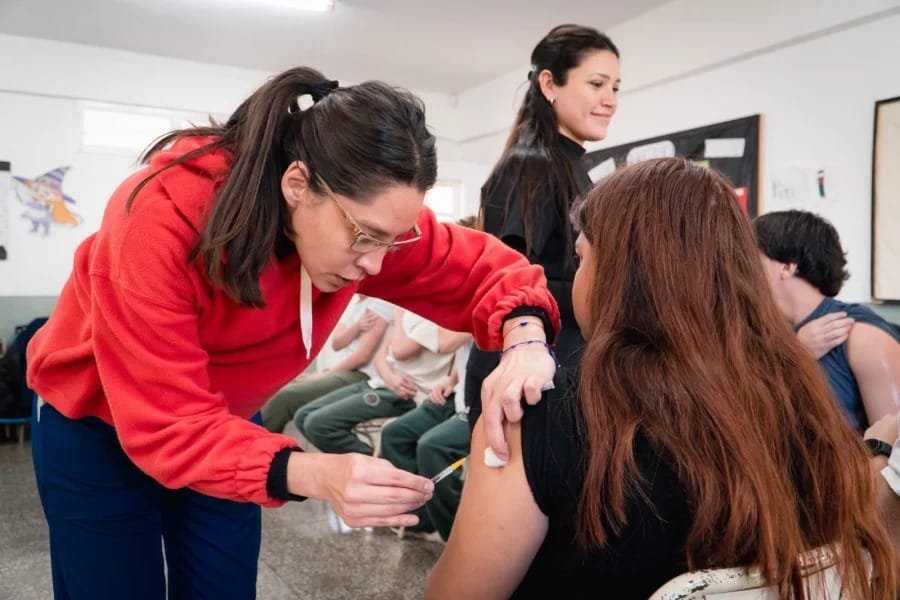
(879,447)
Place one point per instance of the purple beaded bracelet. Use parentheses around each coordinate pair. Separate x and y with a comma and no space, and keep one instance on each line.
(526,342)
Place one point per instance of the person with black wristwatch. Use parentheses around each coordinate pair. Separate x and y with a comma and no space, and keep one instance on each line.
(886,466)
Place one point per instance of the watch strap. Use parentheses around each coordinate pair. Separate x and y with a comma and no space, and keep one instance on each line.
(879,447)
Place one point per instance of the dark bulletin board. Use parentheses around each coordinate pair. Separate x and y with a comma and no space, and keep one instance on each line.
(732,147)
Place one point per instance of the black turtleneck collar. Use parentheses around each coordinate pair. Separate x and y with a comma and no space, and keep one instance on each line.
(572,149)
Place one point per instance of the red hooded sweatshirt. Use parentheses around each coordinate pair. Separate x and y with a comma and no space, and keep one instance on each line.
(141,339)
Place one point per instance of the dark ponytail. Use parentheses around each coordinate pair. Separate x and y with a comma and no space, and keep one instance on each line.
(361,140)
(533,168)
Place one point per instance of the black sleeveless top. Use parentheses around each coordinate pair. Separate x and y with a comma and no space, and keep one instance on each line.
(650,549)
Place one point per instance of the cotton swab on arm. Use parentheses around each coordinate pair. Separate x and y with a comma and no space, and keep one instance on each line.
(491,460)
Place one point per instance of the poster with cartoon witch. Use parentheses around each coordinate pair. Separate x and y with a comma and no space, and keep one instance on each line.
(44,201)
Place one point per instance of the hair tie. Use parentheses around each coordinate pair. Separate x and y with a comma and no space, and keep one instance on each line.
(323,89)
(531,72)
(304,102)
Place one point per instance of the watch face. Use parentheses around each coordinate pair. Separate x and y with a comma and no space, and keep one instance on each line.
(879,447)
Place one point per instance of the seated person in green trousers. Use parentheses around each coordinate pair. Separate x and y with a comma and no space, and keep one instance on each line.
(345,359)
(429,438)
(414,357)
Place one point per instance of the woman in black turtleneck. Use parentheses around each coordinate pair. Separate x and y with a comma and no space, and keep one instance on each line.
(571,98)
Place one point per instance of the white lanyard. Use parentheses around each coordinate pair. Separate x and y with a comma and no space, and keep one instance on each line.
(306,316)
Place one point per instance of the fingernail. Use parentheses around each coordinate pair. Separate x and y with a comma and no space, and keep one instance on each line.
(428,487)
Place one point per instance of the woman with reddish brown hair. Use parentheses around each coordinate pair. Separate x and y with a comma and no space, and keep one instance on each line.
(700,433)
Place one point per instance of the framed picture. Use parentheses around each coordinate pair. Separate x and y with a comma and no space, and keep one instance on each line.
(732,147)
(886,202)
(5,183)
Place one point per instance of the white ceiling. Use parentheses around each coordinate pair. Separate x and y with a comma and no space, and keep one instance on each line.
(426,45)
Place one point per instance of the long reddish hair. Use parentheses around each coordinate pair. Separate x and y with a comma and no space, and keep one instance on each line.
(686,345)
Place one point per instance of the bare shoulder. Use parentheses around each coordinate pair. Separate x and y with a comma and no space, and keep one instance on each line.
(868,346)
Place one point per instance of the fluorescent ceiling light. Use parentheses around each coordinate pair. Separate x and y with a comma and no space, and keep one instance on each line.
(311,5)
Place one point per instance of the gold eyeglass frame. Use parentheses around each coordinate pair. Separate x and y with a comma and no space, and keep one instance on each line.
(360,236)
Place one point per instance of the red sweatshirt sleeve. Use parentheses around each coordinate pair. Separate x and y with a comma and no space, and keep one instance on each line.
(461,279)
(154,370)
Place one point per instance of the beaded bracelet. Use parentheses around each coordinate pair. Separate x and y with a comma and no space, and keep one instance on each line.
(527,323)
(521,324)
(526,342)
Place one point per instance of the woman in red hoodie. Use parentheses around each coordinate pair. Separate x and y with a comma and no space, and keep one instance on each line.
(217,274)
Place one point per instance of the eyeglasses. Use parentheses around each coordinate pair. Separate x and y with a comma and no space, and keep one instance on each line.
(362,241)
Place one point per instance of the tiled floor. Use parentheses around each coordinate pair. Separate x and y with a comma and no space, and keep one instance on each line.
(304,555)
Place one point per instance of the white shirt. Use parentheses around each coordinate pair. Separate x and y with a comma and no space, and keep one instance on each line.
(329,357)
(891,472)
(459,392)
(428,367)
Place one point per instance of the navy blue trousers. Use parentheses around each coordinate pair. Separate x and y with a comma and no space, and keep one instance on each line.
(116,533)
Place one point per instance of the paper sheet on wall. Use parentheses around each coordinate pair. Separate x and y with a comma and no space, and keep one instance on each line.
(791,188)
(662,149)
(724,148)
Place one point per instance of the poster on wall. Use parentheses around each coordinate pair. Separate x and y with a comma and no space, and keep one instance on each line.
(886,201)
(4,208)
(732,147)
(44,202)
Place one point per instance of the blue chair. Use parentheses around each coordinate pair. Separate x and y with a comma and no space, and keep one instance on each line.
(27,398)
(21,422)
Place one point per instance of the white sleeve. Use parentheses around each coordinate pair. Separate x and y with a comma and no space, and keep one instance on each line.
(422,331)
(353,312)
(891,472)
(383,309)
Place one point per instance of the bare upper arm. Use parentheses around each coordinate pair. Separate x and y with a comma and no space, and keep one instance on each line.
(368,344)
(450,341)
(341,337)
(405,348)
(371,339)
(497,531)
(875,361)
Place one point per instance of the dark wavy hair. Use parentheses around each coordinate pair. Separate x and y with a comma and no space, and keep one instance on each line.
(807,240)
(532,168)
(686,345)
(360,139)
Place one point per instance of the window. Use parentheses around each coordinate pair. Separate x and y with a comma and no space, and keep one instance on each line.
(122,129)
(187,121)
(445,199)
